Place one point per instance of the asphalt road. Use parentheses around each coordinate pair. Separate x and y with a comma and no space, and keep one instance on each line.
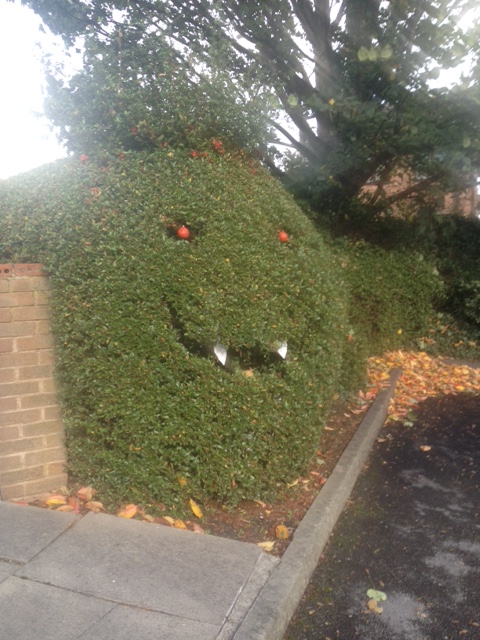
(410,530)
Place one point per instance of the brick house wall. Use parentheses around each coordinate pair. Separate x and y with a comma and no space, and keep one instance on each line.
(32,451)
(465,203)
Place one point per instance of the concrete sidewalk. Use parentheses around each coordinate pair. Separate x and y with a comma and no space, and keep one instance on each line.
(99,577)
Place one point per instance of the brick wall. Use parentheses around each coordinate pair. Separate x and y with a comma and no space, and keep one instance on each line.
(465,203)
(32,452)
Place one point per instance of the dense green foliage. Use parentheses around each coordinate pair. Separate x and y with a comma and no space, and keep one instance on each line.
(137,312)
(392,295)
(351,83)
(407,265)
(457,251)
(136,94)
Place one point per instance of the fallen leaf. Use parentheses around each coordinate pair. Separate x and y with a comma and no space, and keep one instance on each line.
(425,447)
(169,519)
(128,512)
(179,524)
(195,509)
(294,483)
(94,506)
(55,500)
(197,528)
(359,411)
(374,594)
(168,522)
(85,493)
(74,502)
(64,507)
(267,546)
(372,604)
(262,504)
(148,518)
(281,532)
(181,481)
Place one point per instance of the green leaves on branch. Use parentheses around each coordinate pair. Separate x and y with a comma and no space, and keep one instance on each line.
(375,53)
(168,71)
(140,96)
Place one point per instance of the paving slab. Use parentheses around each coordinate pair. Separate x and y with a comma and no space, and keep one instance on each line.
(129,623)
(6,570)
(145,565)
(24,531)
(31,611)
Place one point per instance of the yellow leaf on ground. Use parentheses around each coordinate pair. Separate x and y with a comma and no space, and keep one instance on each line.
(56,500)
(196,509)
(181,481)
(169,519)
(128,512)
(165,522)
(148,517)
(179,524)
(281,532)
(267,546)
(64,507)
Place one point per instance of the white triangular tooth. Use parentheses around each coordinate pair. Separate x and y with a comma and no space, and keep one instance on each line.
(282,350)
(221,353)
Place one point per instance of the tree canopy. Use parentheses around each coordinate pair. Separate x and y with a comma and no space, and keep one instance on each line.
(350,83)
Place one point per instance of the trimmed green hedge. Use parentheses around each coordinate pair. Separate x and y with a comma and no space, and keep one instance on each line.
(393,294)
(137,312)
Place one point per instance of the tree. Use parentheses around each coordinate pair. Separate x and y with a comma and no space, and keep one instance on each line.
(351,80)
(136,93)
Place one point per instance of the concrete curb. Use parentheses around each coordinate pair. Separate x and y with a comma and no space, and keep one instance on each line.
(272,611)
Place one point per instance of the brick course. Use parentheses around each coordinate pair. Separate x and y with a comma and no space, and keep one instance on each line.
(32,452)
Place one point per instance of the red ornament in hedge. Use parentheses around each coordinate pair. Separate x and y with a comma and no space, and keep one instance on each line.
(283,236)
(183,233)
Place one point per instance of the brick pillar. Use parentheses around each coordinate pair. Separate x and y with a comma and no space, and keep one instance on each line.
(32,451)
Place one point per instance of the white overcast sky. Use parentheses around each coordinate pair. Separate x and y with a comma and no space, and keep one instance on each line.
(25,140)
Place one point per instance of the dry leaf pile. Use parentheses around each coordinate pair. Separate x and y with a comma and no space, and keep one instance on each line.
(423,376)
(82,501)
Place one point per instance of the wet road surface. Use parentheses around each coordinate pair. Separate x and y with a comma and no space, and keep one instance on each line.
(410,530)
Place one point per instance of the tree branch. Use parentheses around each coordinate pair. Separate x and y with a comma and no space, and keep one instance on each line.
(410,191)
